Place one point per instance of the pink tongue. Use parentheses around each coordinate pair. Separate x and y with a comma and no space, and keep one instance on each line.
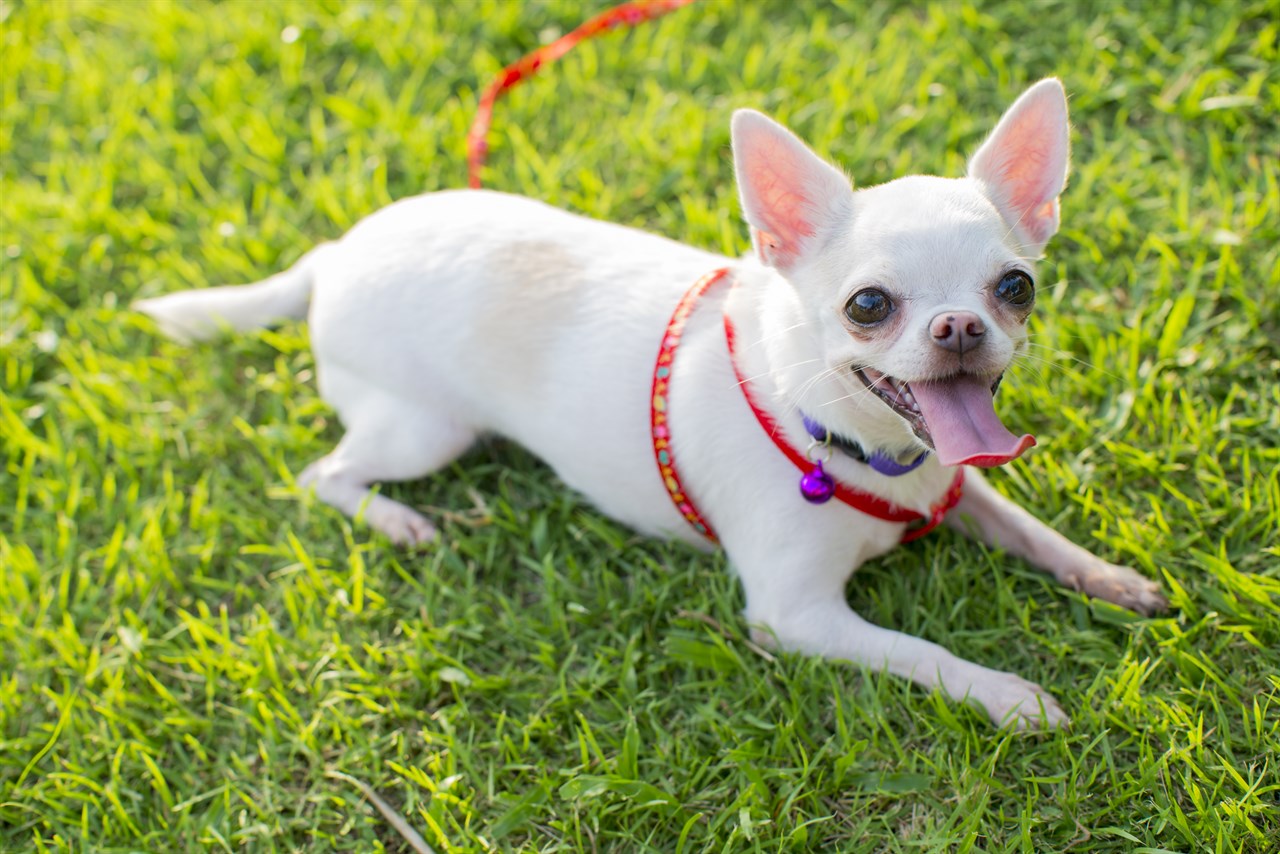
(962,420)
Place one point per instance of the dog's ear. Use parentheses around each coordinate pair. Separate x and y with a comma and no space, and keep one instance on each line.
(1022,166)
(788,193)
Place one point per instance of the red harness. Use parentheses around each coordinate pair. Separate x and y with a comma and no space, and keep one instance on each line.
(630,14)
(858,499)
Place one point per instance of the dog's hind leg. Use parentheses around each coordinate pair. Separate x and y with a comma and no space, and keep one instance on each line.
(387,438)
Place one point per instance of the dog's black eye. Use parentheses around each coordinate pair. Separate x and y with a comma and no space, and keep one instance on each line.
(1016,289)
(868,307)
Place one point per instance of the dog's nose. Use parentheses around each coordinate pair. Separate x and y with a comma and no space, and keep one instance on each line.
(957,331)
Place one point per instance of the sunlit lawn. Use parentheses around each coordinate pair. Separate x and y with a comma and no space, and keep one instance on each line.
(193,652)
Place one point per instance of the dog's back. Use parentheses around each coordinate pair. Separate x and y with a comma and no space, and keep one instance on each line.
(483,307)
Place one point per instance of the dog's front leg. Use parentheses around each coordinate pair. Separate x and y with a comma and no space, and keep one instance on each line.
(990,517)
(795,595)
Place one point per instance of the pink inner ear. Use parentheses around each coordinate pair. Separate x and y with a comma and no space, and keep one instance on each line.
(1025,164)
(787,190)
(765,244)
(773,187)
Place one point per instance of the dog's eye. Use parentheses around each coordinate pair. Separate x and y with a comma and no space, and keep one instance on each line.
(868,307)
(1016,289)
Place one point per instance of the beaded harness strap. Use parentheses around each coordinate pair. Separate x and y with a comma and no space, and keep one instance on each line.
(659,428)
(813,480)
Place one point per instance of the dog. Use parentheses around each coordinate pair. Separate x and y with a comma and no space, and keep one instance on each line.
(854,352)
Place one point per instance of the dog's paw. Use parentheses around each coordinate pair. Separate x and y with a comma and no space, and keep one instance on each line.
(1010,699)
(1124,587)
(403,525)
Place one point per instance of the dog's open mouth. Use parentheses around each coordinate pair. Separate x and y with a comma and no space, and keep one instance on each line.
(955,416)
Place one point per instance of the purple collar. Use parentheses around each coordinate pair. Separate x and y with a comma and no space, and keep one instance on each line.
(879,461)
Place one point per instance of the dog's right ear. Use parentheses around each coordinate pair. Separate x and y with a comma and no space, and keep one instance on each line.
(788,193)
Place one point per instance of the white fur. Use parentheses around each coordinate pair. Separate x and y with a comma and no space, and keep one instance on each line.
(456,314)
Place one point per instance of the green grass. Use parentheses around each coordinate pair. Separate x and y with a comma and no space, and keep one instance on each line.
(192,651)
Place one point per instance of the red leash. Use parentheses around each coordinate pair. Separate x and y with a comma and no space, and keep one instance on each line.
(626,14)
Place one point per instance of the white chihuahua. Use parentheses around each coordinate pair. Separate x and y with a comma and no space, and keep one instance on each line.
(869,329)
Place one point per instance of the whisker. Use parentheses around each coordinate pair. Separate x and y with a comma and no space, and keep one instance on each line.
(1040,345)
(798,396)
(795,397)
(777,333)
(1067,356)
(779,370)
(1023,362)
(856,393)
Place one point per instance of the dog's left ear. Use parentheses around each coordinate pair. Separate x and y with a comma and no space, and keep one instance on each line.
(1022,166)
(789,194)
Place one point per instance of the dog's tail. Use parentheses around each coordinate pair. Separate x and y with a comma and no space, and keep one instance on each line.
(200,314)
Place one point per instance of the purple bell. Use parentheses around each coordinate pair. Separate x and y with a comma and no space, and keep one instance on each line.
(817,487)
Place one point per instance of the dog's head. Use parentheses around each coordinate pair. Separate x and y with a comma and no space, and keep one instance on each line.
(915,293)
